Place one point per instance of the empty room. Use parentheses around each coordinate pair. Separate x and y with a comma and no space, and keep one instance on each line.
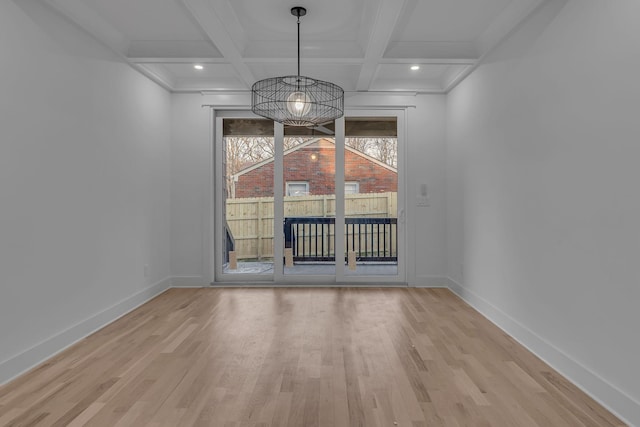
(254,213)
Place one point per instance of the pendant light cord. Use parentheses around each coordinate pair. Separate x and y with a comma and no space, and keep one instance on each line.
(298,45)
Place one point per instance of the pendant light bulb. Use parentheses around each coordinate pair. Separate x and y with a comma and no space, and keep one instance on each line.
(299,104)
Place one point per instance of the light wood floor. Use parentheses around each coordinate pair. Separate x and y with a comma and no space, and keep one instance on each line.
(299,357)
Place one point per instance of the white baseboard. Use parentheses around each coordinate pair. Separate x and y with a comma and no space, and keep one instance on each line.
(28,359)
(315,284)
(430,282)
(609,396)
(188,282)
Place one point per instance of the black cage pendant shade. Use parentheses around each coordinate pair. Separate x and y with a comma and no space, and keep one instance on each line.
(297,100)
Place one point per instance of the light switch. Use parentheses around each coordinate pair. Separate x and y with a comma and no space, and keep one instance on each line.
(423,196)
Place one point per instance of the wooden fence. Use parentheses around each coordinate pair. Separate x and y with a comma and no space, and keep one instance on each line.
(251,220)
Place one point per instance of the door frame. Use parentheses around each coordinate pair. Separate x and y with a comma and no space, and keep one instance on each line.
(278,277)
(401,124)
(218,275)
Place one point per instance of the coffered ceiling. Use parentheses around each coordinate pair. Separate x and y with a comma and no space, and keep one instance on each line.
(361,45)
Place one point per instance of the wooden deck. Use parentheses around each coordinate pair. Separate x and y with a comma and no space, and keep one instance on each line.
(299,357)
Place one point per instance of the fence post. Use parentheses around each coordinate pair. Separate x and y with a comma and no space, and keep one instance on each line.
(324,206)
(259,229)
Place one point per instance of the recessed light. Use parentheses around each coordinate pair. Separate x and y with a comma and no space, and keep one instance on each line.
(198,67)
(415,67)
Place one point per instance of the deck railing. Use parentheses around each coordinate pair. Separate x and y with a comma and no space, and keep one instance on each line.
(251,220)
(313,238)
(229,242)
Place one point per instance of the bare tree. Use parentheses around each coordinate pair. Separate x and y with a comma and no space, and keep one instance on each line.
(289,142)
(243,152)
(383,149)
(360,144)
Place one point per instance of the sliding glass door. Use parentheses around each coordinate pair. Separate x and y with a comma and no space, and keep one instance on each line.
(304,206)
(372,232)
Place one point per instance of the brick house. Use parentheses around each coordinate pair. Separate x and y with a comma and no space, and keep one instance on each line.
(309,169)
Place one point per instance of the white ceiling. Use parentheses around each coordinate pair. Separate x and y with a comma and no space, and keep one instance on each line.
(361,45)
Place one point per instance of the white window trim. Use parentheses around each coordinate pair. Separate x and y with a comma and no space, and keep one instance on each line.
(305,183)
(348,183)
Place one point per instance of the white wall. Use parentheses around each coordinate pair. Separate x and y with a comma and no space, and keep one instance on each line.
(426,227)
(84,185)
(190,189)
(543,206)
(190,221)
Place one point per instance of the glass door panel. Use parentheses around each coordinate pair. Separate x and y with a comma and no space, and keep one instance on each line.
(371,196)
(309,204)
(248,219)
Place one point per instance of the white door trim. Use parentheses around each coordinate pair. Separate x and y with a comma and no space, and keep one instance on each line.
(216,206)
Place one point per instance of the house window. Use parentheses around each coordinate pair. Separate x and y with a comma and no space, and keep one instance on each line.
(351,187)
(299,188)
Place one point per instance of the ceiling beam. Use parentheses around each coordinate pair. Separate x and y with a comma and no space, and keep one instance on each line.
(163,78)
(332,60)
(500,29)
(173,48)
(453,76)
(90,21)
(175,60)
(215,30)
(310,49)
(505,23)
(439,49)
(388,14)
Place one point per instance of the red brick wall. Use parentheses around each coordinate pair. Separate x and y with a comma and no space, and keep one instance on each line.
(256,183)
(315,164)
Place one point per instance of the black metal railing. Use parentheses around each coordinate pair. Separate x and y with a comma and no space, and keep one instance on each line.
(313,238)
(372,239)
(229,242)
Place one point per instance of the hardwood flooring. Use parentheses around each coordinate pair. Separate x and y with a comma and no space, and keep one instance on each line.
(299,357)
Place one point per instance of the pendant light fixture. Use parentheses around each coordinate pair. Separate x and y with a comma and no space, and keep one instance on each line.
(297,100)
